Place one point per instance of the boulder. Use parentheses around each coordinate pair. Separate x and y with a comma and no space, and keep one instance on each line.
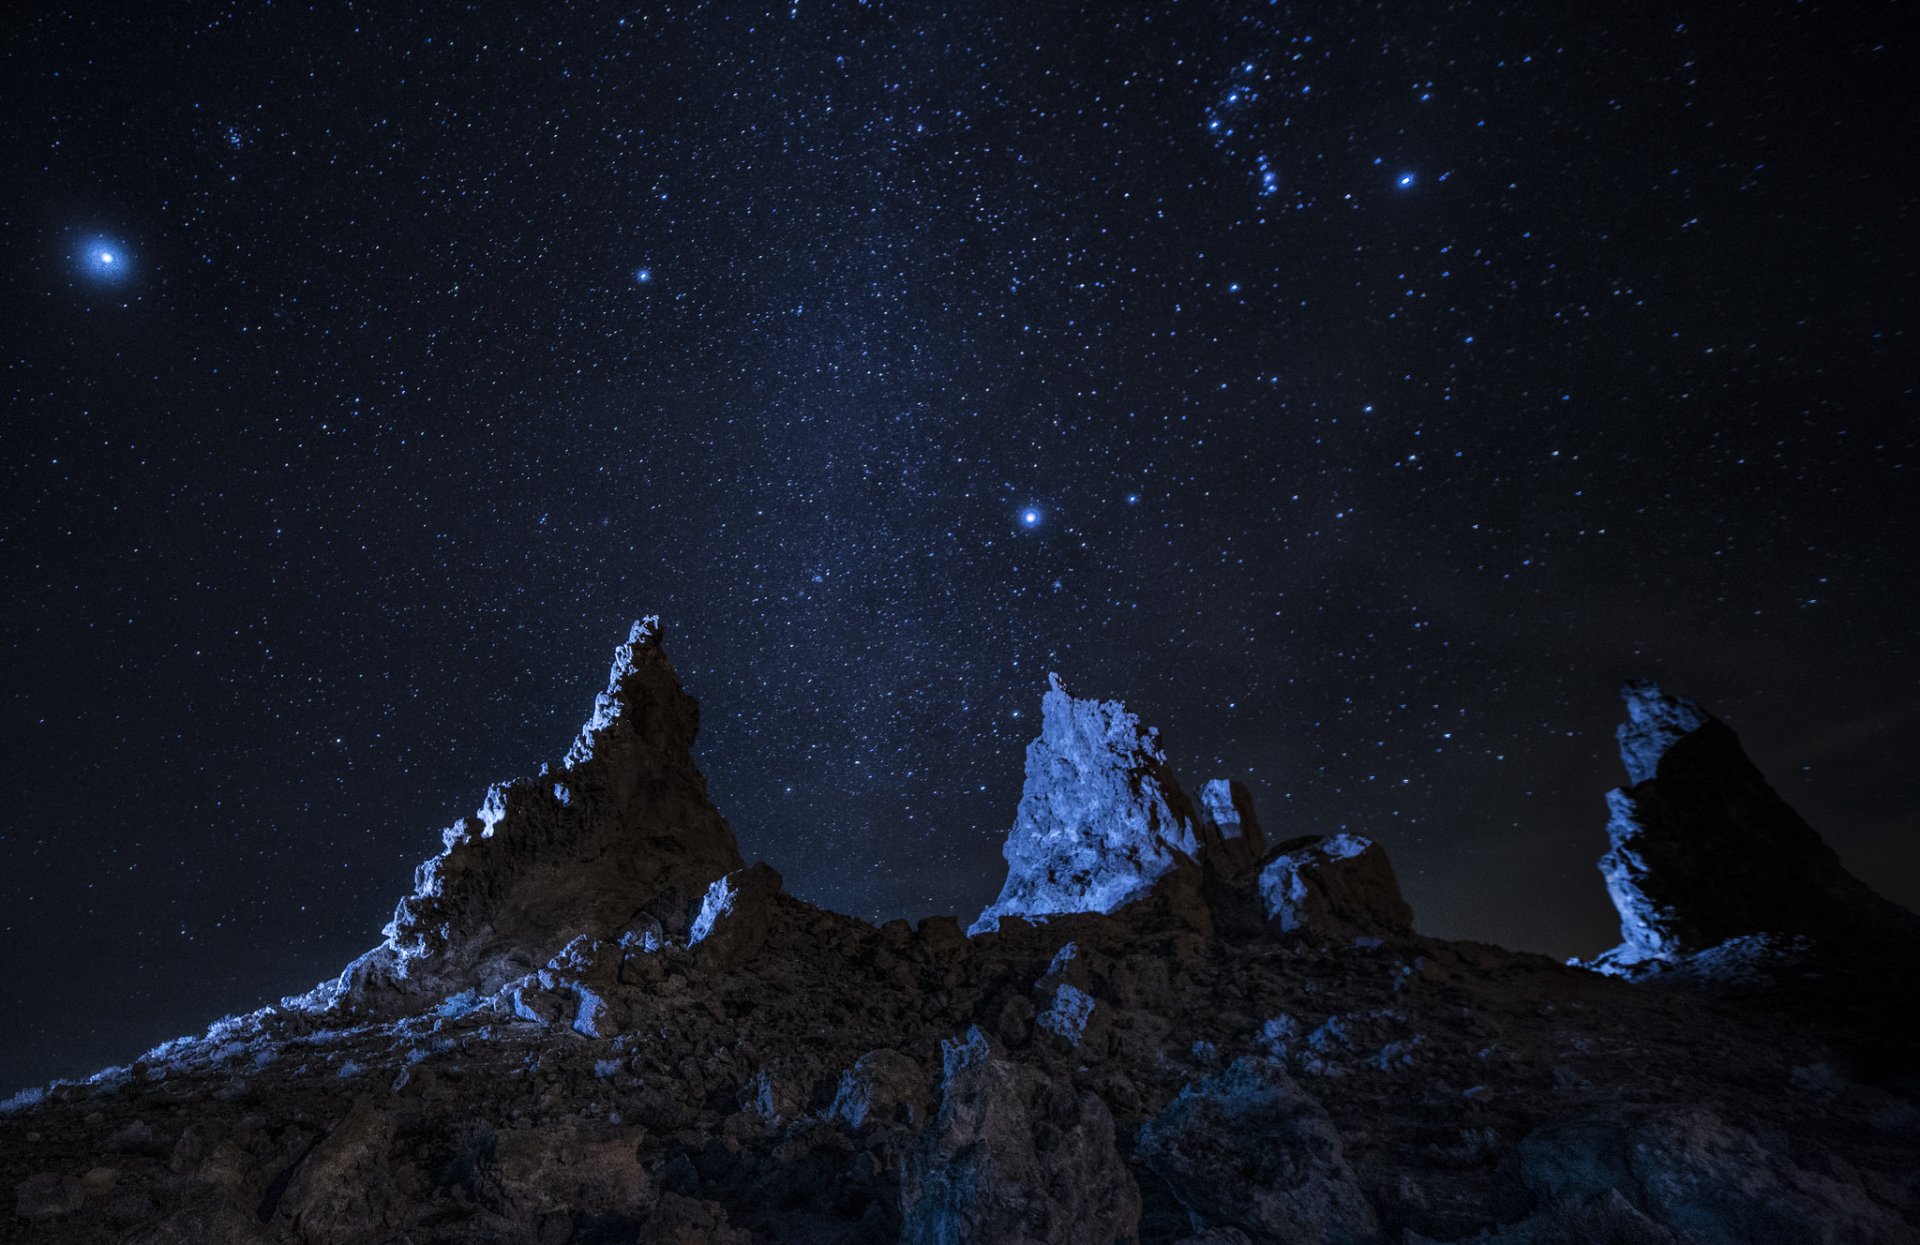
(343,1191)
(1341,887)
(735,916)
(882,1087)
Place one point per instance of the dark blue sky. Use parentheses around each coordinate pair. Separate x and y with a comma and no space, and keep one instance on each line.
(1387,385)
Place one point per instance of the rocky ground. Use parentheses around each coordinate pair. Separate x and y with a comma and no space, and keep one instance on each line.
(1164,1030)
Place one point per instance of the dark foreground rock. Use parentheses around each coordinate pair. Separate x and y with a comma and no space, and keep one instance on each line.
(1255,1048)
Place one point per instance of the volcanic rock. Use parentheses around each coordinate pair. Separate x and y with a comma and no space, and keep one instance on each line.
(735,915)
(1101,817)
(1012,1156)
(1246,1149)
(622,831)
(1706,856)
(1341,887)
(1230,829)
(609,1031)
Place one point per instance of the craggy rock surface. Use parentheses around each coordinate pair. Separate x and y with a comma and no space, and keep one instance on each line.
(1101,816)
(1704,852)
(621,830)
(1340,886)
(737,1066)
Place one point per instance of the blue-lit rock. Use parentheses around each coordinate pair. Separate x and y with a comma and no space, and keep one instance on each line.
(1230,827)
(1101,818)
(1655,722)
(735,915)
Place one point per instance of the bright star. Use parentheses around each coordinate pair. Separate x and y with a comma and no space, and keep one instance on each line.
(643,275)
(1030,517)
(102,259)
(1404,181)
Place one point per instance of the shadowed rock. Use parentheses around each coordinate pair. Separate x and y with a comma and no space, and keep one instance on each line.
(589,1024)
(1247,1149)
(1341,886)
(1013,1156)
(1704,852)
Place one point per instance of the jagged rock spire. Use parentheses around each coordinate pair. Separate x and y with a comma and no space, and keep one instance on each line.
(1101,818)
(1703,850)
(623,826)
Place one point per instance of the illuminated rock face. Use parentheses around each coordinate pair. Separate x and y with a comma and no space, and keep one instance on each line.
(1101,818)
(1703,850)
(621,832)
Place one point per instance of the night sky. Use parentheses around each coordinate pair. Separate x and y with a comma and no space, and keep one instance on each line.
(1358,392)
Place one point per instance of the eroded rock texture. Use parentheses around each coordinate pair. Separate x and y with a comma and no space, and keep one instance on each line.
(691,1055)
(620,836)
(1101,817)
(1706,858)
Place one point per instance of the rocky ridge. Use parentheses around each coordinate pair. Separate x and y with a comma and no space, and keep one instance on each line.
(591,1022)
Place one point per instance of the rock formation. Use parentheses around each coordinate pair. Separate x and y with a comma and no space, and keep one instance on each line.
(1103,824)
(1101,818)
(590,1023)
(619,835)
(1706,858)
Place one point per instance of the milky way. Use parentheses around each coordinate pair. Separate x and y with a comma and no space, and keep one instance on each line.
(1358,394)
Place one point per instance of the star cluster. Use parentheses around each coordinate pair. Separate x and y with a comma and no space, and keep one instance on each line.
(1359,392)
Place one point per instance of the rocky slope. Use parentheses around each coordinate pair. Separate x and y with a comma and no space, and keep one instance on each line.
(590,1023)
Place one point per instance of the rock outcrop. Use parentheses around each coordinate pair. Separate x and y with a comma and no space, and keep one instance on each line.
(1230,830)
(596,1026)
(1706,858)
(1101,819)
(619,835)
(1341,886)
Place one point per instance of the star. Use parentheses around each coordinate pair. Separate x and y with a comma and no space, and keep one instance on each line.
(643,276)
(1405,181)
(1030,517)
(102,260)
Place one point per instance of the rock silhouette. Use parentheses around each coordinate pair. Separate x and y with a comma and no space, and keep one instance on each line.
(1707,861)
(591,1021)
